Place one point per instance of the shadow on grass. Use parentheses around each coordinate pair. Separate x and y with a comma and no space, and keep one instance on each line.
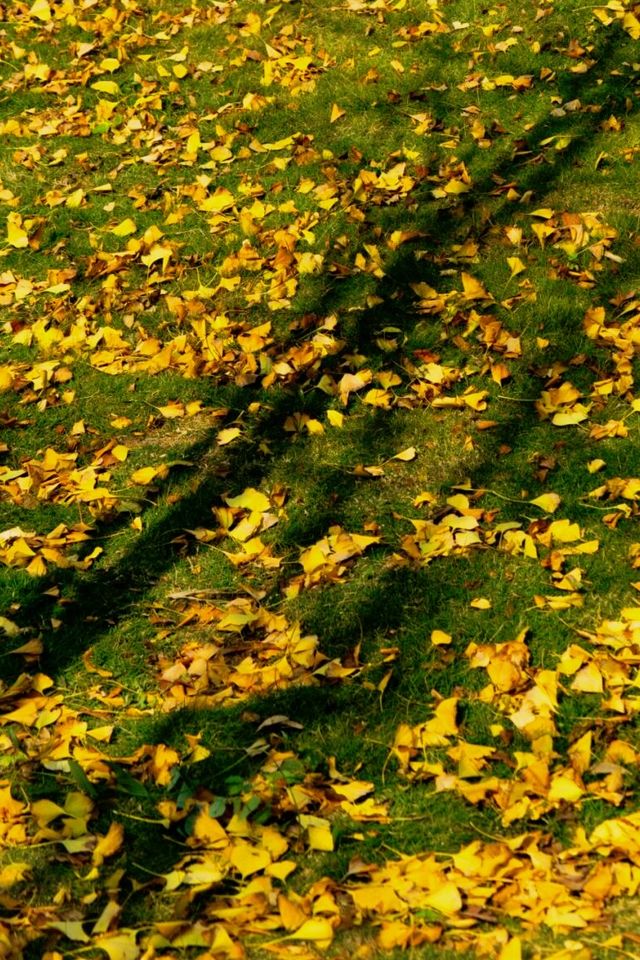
(389,602)
(101,599)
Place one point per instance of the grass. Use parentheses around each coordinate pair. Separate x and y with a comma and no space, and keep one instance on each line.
(413,93)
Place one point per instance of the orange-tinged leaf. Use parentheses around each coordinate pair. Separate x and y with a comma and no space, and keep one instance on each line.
(109,844)
(290,913)
(336,113)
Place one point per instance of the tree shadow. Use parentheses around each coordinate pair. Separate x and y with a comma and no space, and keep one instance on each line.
(102,599)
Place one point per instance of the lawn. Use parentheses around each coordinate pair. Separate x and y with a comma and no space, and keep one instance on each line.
(319,477)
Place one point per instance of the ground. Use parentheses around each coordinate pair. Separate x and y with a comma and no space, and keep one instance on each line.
(319,477)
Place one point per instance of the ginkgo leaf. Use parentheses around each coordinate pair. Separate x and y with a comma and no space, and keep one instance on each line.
(109,844)
(319,834)
(143,476)
(119,945)
(125,228)
(405,455)
(516,266)
(106,86)
(72,929)
(16,234)
(250,499)
(480,603)
(14,873)
(41,10)
(548,502)
(227,435)
(317,929)
(336,113)
(248,860)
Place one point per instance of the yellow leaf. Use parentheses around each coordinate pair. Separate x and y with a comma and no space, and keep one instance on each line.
(248,860)
(227,435)
(317,929)
(595,465)
(571,417)
(511,950)
(548,502)
(120,452)
(125,228)
(632,25)
(109,844)
(545,213)
(564,531)
(72,929)
(588,680)
(143,476)
(454,187)
(16,236)
(74,199)
(41,10)
(472,288)
(335,418)
(222,199)
(405,455)
(439,638)
(336,113)
(106,86)
(290,913)
(120,945)
(480,603)
(172,410)
(318,832)
(9,627)
(13,873)
(445,899)
(31,648)
(564,788)
(250,499)
(516,266)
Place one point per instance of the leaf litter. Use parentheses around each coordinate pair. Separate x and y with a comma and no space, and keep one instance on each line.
(116,163)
